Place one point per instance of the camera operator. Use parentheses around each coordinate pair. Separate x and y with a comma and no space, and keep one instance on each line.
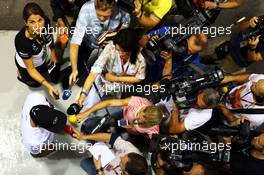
(197,115)
(188,53)
(129,159)
(243,50)
(244,97)
(254,159)
(150,12)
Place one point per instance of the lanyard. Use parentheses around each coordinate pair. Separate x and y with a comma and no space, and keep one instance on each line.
(124,71)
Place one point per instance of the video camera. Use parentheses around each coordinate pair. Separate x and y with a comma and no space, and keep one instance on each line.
(184,90)
(166,38)
(181,153)
(258,30)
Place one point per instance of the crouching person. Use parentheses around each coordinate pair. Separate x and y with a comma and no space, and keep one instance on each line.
(39,122)
(130,160)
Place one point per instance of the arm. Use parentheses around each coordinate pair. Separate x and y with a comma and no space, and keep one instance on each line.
(104,137)
(32,71)
(124,79)
(56,9)
(228,115)
(252,54)
(235,78)
(167,70)
(176,126)
(231,4)
(224,5)
(74,50)
(101,105)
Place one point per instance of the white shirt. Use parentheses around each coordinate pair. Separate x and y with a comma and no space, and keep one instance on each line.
(34,137)
(248,100)
(192,118)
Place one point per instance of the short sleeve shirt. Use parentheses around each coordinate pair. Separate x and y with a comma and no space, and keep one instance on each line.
(34,138)
(89,27)
(31,48)
(158,7)
(130,112)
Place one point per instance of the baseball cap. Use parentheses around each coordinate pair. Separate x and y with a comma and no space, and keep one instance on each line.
(48,118)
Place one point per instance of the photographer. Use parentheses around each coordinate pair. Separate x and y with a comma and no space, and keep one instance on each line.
(94,18)
(254,160)
(150,12)
(39,122)
(197,115)
(243,49)
(243,98)
(130,160)
(188,52)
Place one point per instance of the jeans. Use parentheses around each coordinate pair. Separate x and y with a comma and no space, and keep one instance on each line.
(88,166)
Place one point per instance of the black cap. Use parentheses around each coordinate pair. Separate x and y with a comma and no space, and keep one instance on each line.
(48,118)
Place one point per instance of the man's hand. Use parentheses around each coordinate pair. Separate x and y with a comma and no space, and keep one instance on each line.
(138,6)
(253,22)
(253,42)
(166,55)
(73,76)
(54,93)
(210,5)
(76,134)
(239,121)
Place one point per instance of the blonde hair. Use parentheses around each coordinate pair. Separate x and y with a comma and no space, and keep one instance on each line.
(152,115)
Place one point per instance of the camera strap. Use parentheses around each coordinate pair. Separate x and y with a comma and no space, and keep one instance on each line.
(249,111)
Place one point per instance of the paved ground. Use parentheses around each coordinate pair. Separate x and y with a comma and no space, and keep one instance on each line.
(13,158)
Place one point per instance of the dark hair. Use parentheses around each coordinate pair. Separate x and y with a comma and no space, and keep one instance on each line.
(136,164)
(32,9)
(211,97)
(128,40)
(104,4)
(201,40)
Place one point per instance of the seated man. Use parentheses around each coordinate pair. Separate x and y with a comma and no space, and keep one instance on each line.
(254,160)
(39,122)
(130,160)
(249,96)
(150,12)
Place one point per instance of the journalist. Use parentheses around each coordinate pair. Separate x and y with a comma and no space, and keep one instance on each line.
(243,99)
(95,17)
(129,159)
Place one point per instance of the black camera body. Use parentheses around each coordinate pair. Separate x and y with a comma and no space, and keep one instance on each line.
(258,30)
(126,5)
(184,90)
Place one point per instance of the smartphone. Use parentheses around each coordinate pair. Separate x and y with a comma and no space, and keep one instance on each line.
(122,122)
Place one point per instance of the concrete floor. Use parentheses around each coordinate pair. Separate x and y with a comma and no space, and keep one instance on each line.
(13,158)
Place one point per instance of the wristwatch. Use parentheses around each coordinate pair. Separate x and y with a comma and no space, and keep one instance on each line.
(99,170)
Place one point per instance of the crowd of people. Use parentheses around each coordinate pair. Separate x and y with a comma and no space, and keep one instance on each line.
(116,45)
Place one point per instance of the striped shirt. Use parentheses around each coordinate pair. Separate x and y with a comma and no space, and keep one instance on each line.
(130,112)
